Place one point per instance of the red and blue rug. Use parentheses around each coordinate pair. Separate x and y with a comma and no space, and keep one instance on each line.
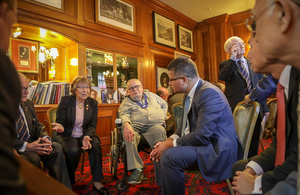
(84,182)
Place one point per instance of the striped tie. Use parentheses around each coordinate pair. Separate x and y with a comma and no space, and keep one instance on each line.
(245,75)
(22,129)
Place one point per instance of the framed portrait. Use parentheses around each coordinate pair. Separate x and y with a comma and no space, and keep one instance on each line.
(178,54)
(164,30)
(58,4)
(116,13)
(163,79)
(24,55)
(185,39)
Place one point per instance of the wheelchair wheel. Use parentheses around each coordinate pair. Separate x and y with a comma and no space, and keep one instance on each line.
(114,154)
(122,185)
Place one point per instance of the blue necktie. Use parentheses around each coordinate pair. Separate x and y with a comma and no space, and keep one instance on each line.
(245,75)
(185,113)
(22,129)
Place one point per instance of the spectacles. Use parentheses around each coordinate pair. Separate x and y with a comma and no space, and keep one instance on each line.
(83,87)
(171,80)
(134,87)
(251,21)
(24,89)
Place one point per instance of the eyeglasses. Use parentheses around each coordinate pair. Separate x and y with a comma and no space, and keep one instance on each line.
(171,80)
(251,21)
(83,87)
(24,89)
(134,87)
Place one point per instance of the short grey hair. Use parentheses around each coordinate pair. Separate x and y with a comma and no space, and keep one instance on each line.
(228,43)
(183,66)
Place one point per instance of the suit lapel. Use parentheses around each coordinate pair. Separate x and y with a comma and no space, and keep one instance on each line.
(73,110)
(28,116)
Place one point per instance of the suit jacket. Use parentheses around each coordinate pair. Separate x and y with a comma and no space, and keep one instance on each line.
(266,159)
(213,132)
(10,90)
(66,115)
(236,84)
(264,88)
(36,129)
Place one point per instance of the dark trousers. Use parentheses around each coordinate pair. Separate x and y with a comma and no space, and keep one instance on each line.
(172,163)
(253,150)
(54,162)
(72,150)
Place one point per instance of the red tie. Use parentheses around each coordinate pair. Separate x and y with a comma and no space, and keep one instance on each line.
(280,152)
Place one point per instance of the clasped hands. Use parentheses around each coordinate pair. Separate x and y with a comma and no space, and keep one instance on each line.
(243,182)
(159,148)
(42,146)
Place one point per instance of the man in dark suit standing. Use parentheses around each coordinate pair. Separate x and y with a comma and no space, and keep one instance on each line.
(10,179)
(207,137)
(33,143)
(240,80)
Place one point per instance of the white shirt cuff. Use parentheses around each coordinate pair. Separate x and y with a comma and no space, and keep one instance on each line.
(23,147)
(174,136)
(256,167)
(257,186)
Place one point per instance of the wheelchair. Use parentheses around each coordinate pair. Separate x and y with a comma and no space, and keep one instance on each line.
(118,152)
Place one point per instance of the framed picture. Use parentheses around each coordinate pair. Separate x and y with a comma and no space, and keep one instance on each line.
(115,12)
(24,55)
(185,39)
(163,79)
(164,30)
(58,4)
(178,54)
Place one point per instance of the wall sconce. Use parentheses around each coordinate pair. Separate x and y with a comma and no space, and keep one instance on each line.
(46,54)
(74,62)
(16,30)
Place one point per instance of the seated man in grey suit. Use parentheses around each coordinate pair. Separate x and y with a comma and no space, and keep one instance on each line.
(206,139)
(34,144)
(141,113)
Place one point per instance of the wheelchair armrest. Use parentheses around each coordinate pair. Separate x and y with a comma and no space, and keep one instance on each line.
(118,122)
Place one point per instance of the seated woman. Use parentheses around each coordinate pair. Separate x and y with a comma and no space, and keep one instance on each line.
(76,120)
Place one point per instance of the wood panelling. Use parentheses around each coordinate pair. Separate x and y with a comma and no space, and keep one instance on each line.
(105,124)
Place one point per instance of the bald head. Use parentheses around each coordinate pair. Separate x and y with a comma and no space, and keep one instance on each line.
(163,93)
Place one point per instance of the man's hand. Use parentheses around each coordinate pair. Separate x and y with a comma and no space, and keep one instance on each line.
(57,127)
(86,143)
(128,132)
(247,100)
(243,182)
(39,147)
(234,51)
(159,148)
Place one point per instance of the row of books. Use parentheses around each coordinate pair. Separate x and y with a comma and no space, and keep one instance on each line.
(49,92)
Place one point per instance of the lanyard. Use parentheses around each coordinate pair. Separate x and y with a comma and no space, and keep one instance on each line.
(139,103)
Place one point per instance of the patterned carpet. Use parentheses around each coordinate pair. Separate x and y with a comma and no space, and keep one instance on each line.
(84,182)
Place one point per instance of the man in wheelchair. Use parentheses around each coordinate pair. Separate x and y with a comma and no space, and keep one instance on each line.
(142,113)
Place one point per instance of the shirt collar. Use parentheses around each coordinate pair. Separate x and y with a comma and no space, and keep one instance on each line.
(284,78)
(192,91)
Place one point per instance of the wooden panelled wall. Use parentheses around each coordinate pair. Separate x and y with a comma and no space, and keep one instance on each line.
(77,21)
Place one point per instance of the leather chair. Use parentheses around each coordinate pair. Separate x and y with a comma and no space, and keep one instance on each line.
(51,117)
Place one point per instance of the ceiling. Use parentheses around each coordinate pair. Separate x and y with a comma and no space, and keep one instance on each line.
(199,10)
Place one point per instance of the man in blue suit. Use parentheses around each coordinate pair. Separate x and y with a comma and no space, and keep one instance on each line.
(240,79)
(206,139)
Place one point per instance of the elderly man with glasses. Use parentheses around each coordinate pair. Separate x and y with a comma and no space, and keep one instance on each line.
(240,79)
(141,113)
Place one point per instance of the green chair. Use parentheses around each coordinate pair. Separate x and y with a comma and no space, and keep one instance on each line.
(51,117)
(176,112)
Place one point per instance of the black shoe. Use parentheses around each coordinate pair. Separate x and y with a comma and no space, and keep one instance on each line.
(102,190)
